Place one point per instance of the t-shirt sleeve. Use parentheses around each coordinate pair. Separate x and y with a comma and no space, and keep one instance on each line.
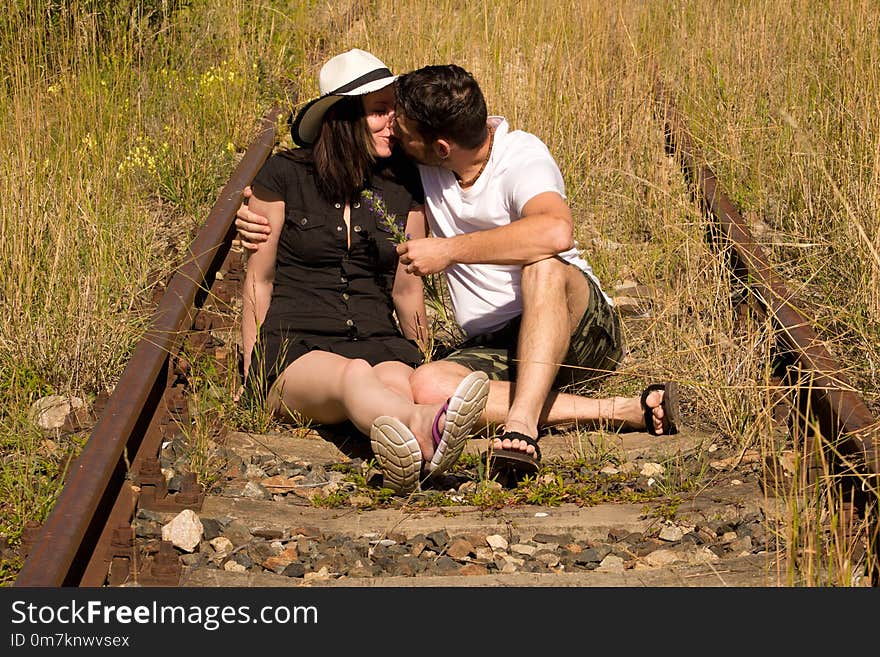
(535,172)
(273,175)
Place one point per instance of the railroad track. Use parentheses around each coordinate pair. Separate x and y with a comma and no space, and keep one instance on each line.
(303,509)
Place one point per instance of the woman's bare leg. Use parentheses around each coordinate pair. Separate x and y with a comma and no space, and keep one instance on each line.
(329,389)
(396,375)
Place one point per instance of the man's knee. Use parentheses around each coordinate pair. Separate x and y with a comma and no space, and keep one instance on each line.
(543,272)
(555,287)
(434,382)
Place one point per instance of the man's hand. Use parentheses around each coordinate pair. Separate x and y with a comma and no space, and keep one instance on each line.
(429,255)
(253,229)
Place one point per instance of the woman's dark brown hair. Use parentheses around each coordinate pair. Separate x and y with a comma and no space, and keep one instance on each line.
(343,152)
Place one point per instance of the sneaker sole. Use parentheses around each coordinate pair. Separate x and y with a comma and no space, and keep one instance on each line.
(397,452)
(465,407)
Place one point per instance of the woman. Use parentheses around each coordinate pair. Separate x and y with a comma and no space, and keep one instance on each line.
(318,331)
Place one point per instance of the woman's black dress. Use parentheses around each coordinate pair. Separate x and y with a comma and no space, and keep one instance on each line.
(326,295)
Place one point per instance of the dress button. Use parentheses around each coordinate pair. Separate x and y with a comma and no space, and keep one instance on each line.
(345,296)
(338,205)
(339,228)
(343,279)
(357,205)
(357,229)
(303,221)
(349,322)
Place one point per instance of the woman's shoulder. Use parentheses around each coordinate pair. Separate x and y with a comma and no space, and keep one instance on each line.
(284,168)
(298,157)
(288,162)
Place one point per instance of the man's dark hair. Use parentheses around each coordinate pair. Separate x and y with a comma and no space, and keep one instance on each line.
(445,102)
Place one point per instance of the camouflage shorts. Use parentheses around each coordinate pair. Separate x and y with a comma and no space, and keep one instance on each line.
(594,352)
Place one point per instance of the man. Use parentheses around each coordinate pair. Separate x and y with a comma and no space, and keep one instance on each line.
(501,230)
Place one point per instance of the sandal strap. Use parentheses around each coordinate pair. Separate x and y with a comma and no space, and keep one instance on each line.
(436,434)
(516,435)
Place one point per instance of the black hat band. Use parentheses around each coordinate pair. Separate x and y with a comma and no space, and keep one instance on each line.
(372,76)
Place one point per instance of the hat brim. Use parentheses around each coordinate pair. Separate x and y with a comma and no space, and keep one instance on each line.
(307,124)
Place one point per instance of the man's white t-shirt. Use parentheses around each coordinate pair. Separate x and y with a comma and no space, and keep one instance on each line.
(485,296)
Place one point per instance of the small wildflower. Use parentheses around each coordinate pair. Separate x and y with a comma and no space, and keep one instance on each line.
(389,220)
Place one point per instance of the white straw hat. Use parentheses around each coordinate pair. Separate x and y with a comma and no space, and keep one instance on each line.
(353,73)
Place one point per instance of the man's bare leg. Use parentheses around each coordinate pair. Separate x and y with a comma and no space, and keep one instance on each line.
(434,382)
(549,287)
(551,290)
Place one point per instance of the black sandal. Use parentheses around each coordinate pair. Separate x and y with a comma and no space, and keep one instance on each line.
(505,463)
(669,406)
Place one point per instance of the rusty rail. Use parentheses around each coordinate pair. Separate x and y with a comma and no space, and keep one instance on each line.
(95,490)
(826,396)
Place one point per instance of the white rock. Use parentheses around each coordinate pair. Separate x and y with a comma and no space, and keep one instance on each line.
(222,546)
(611,564)
(234,567)
(703,555)
(254,491)
(184,531)
(497,542)
(659,558)
(51,412)
(522,548)
(484,553)
(609,470)
(651,470)
(671,533)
